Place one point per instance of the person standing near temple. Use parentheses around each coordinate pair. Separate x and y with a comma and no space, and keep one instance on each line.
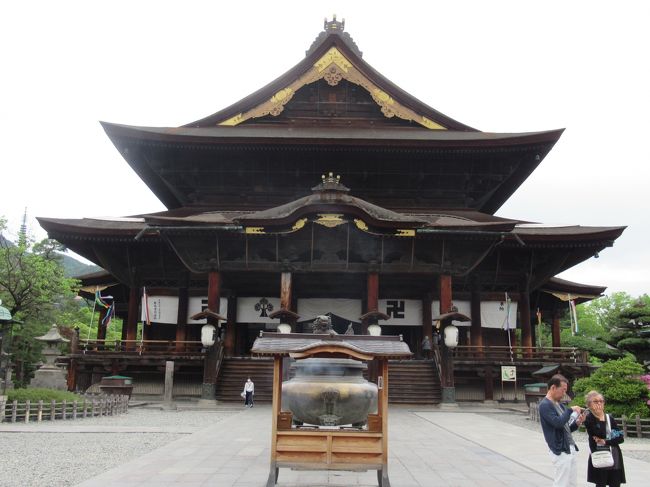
(603,432)
(558,422)
(426,347)
(249,392)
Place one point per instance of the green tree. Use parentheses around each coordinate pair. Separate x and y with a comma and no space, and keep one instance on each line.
(619,382)
(33,287)
(632,330)
(596,320)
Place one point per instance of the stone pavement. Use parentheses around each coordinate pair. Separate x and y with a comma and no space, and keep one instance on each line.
(427,448)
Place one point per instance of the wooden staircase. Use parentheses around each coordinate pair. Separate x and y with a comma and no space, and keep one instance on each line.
(410,381)
(235,371)
(413,382)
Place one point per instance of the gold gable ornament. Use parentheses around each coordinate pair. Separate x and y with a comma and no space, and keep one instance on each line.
(330,220)
(332,67)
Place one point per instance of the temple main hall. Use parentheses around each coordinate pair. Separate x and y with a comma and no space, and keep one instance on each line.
(330,191)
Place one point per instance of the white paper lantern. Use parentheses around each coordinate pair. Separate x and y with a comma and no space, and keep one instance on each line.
(207,335)
(374,330)
(451,336)
(284,328)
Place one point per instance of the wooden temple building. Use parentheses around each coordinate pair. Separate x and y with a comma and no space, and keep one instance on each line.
(329,191)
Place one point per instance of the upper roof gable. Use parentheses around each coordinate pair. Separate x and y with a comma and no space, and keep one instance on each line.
(333,57)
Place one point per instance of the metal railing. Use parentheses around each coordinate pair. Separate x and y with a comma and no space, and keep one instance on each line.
(519,354)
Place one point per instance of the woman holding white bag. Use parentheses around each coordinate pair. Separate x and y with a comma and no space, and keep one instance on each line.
(604,435)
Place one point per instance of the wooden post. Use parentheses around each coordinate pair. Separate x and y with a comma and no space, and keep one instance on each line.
(52,410)
(14,410)
(286,296)
(71,379)
(132,318)
(276,407)
(524,310)
(555,330)
(181,319)
(101,329)
(447,365)
(74,409)
(28,404)
(476,328)
(208,389)
(382,475)
(372,303)
(39,411)
(427,317)
(489,383)
(445,293)
(231,324)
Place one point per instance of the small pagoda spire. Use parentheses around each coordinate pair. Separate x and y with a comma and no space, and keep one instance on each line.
(22,233)
(330,183)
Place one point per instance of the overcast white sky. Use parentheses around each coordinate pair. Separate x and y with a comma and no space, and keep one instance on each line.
(499,66)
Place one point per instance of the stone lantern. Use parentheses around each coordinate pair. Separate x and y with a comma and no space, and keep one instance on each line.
(49,376)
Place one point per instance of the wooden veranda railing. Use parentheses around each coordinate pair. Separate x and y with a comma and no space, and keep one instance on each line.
(520,354)
(139,347)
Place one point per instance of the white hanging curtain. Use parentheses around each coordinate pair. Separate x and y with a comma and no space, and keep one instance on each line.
(349,309)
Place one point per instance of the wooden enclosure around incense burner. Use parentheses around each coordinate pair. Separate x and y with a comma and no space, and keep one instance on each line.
(339,447)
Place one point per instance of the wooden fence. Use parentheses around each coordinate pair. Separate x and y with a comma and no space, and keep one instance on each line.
(88,406)
(498,354)
(632,427)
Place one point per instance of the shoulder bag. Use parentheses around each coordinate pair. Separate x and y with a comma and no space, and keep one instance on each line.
(602,457)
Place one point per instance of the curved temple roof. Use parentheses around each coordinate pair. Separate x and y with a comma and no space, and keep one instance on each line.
(333,110)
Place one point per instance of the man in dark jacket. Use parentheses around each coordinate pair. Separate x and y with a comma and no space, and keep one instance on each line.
(558,422)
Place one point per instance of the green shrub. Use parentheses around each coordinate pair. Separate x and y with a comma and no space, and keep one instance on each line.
(595,347)
(45,395)
(618,381)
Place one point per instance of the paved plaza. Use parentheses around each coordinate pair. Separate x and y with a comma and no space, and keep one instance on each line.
(428,447)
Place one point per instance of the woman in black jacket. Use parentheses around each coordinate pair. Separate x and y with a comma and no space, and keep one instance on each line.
(596,424)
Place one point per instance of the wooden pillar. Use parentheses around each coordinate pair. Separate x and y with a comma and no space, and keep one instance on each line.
(555,330)
(132,317)
(286,297)
(489,383)
(372,303)
(524,312)
(476,328)
(447,365)
(72,375)
(101,329)
(276,407)
(427,318)
(445,293)
(231,327)
(181,318)
(214,292)
(208,390)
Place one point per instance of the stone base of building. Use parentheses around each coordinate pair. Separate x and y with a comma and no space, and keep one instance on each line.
(448,395)
(208,391)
